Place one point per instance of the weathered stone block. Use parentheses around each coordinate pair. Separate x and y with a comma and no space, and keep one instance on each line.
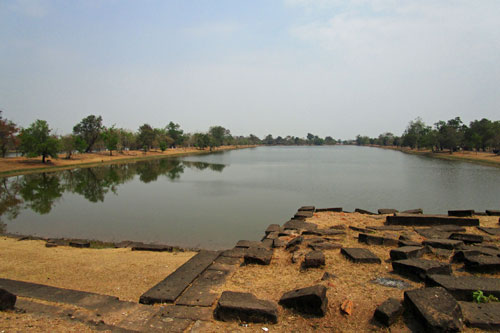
(420,268)
(333,209)
(389,311)
(279,243)
(430,220)
(485,316)
(362,211)
(258,256)
(481,263)
(360,255)
(273,228)
(467,238)
(314,259)
(324,246)
(377,240)
(413,211)
(236,306)
(80,244)
(407,252)
(294,242)
(462,287)
(310,300)
(7,300)
(307,209)
(493,212)
(448,244)
(436,308)
(152,247)
(384,211)
(461,212)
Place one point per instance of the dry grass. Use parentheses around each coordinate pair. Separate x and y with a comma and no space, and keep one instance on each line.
(117,272)
(19,165)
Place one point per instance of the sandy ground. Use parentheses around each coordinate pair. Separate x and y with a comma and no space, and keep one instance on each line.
(117,272)
(19,165)
(469,156)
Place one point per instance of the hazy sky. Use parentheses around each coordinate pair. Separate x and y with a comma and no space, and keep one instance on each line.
(329,67)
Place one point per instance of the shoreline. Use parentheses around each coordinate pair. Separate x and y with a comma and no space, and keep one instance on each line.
(15,166)
(482,158)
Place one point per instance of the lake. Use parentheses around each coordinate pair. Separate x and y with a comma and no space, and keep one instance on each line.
(211,201)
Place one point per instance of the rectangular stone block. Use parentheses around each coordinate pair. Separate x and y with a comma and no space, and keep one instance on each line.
(360,255)
(462,287)
(430,220)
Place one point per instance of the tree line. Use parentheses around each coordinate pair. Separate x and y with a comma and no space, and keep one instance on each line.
(91,135)
(452,135)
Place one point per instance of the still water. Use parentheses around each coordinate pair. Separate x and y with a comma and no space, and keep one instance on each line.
(211,201)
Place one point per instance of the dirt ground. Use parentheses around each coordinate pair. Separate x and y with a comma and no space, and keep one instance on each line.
(122,273)
(10,165)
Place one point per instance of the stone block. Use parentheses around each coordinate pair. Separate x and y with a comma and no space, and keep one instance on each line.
(310,300)
(481,263)
(462,287)
(294,242)
(273,228)
(307,209)
(419,268)
(362,211)
(485,316)
(377,240)
(236,306)
(389,311)
(435,308)
(461,212)
(407,252)
(333,209)
(258,256)
(449,244)
(413,211)
(80,244)
(467,238)
(314,259)
(7,300)
(360,255)
(493,212)
(385,211)
(430,220)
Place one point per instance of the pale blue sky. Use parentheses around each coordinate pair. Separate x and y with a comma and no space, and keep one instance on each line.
(329,67)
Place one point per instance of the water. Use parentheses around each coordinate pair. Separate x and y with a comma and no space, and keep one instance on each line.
(211,201)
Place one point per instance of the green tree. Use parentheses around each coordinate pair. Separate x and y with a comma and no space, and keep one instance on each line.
(146,136)
(201,140)
(175,133)
(110,136)
(330,141)
(218,134)
(89,129)
(67,144)
(413,134)
(36,140)
(126,140)
(8,132)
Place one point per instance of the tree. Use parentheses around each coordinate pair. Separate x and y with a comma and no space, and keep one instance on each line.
(110,137)
(175,133)
(67,144)
(218,134)
(146,136)
(414,132)
(127,139)
(330,141)
(450,134)
(201,140)
(36,140)
(8,132)
(89,129)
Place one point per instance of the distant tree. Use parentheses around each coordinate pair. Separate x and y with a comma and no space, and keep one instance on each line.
(450,135)
(8,132)
(414,132)
(126,139)
(268,140)
(175,133)
(201,140)
(111,137)
(89,129)
(330,141)
(146,136)
(67,144)
(218,134)
(310,137)
(36,140)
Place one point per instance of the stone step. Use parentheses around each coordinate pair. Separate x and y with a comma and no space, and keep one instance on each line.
(462,287)
(467,238)
(461,212)
(430,220)
(491,231)
(199,293)
(168,290)
(448,244)
(481,263)
(333,209)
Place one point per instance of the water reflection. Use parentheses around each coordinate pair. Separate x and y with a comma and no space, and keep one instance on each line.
(40,192)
